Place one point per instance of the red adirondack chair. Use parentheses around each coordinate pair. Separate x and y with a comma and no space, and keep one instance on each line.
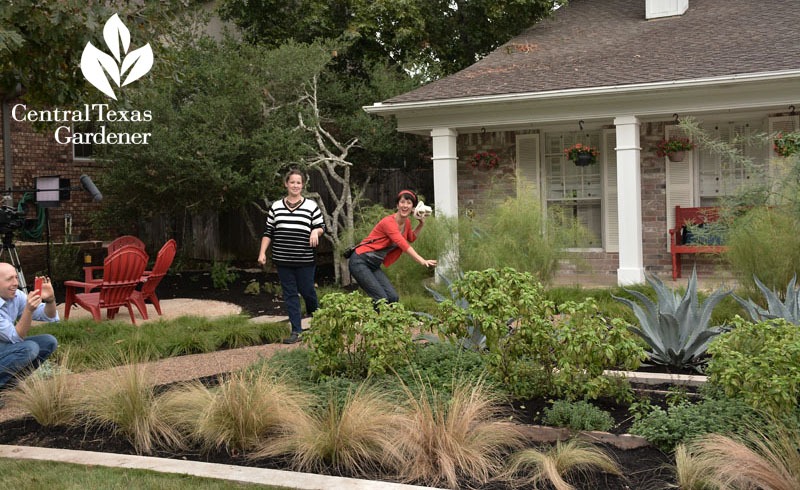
(118,243)
(122,271)
(152,278)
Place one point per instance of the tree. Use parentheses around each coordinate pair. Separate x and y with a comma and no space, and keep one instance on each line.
(41,43)
(436,37)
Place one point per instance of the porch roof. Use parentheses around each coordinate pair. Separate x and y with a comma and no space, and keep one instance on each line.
(607,43)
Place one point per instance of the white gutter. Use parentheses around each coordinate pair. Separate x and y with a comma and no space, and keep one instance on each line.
(381,108)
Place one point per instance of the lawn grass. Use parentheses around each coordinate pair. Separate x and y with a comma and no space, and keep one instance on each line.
(33,475)
(95,345)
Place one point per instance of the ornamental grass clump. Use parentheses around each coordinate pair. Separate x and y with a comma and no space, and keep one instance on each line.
(552,466)
(356,435)
(49,397)
(126,403)
(443,441)
(240,413)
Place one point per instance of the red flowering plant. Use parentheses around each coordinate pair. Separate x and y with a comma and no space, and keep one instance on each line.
(484,159)
(578,149)
(673,146)
(787,145)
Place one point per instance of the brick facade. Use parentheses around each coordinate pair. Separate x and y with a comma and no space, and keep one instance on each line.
(478,188)
(36,153)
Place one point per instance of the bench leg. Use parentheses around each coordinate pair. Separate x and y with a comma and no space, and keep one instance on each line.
(676,266)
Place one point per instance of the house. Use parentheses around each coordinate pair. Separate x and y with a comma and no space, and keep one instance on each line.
(615,74)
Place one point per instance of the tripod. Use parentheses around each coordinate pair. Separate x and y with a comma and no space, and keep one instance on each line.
(7,245)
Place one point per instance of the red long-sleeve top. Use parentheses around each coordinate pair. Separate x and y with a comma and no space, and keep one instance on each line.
(386,233)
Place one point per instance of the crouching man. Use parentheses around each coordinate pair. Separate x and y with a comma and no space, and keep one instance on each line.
(18,352)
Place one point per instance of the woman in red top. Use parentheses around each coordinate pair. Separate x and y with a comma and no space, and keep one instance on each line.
(384,245)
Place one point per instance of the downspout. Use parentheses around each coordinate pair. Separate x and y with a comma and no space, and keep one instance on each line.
(7,150)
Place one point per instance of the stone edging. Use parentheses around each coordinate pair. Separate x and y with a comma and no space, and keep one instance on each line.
(244,474)
(658,378)
(543,433)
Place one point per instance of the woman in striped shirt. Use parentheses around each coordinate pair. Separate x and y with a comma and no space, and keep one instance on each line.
(294,225)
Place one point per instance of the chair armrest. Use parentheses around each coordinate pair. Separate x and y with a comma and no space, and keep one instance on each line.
(88,272)
(79,284)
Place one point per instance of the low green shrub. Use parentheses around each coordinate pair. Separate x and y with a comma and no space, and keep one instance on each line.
(580,415)
(253,288)
(349,336)
(533,353)
(438,364)
(666,428)
(222,276)
(759,363)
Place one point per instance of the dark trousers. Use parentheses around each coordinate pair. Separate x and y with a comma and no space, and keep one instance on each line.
(298,280)
(369,275)
(15,359)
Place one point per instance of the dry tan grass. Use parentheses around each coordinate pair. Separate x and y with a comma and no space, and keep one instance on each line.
(756,461)
(51,401)
(693,471)
(356,436)
(443,440)
(552,466)
(125,401)
(238,414)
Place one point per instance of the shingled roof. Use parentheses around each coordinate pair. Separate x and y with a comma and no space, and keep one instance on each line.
(600,43)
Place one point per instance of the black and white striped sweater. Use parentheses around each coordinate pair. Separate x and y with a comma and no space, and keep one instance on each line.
(289,232)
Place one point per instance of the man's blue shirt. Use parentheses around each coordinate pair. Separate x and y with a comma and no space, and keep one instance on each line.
(11,311)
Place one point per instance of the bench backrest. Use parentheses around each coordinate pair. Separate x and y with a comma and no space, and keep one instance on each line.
(703,214)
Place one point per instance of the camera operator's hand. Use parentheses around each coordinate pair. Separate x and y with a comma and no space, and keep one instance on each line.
(34,300)
(48,295)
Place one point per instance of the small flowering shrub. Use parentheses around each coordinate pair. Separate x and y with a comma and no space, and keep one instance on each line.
(348,336)
(527,348)
(484,160)
(673,145)
(787,145)
(578,149)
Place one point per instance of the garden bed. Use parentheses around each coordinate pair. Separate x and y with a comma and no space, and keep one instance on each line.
(644,467)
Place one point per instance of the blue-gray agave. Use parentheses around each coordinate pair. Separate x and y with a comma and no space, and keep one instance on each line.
(790,310)
(476,340)
(677,327)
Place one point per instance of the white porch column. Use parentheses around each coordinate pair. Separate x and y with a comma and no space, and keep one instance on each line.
(445,180)
(629,195)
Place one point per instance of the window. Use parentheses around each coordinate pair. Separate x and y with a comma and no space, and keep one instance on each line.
(577,189)
(82,151)
(718,177)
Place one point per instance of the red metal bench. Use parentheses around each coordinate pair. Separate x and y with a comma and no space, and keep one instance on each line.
(707,214)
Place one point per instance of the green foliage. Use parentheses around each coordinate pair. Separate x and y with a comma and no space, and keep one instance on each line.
(787,144)
(527,349)
(579,415)
(222,275)
(349,336)
(759,363)
(65,263)
(437,37)
(789,311)
(681,423)
(676,328)
(253,288)
(765,243)
(511,234)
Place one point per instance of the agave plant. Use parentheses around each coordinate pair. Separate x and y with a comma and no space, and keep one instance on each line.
(790,310)
(677,327)
(476,340)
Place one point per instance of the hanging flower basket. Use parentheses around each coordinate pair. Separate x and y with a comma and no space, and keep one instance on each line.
(674,148)
(582,155)
(483,160)
(787,145)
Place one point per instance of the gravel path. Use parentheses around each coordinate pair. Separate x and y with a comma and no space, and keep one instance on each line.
(184,368)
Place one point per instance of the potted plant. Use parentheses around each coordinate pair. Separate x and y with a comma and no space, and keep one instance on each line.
(787,144)
(483,160)
(674,148)
(582,155)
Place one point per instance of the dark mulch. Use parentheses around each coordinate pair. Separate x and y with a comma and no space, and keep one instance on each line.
(644,468)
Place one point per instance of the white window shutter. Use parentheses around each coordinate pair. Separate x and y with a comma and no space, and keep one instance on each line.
(528,162)
(610,208)
(680,182)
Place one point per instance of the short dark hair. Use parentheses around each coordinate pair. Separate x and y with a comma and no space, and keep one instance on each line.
(294,171)
(406,194)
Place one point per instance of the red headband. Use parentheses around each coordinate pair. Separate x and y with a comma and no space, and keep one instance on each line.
(407,192)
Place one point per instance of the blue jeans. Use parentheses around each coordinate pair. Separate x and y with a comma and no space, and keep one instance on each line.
(369,275)
(294,280)
(28,354)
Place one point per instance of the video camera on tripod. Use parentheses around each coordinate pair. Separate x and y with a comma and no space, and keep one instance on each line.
(50,191)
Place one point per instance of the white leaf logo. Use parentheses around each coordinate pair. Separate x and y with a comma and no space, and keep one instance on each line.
(95,63)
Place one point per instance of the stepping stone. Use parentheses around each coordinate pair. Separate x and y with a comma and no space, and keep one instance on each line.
(305,322)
